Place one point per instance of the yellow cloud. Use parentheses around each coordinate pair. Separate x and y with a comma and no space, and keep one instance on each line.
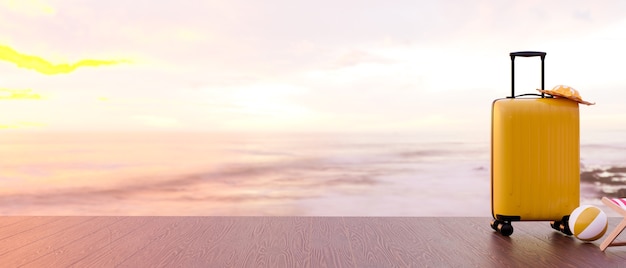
(18,94)
(29,7)
(45,67)
(20,125)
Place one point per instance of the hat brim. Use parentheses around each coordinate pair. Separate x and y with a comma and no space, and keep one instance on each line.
(556,94)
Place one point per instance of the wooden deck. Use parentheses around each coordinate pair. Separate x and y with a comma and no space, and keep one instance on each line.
(290,242)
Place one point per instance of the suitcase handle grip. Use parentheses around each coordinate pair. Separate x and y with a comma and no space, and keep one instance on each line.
(526,54)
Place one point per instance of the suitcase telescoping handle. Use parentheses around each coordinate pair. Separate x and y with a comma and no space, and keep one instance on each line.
(526,54)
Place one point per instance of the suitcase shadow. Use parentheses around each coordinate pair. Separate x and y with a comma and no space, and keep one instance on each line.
(553,247)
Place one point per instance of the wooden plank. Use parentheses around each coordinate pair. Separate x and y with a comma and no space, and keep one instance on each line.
(372,247)
(31,224)
(479,244)
(11,220)
(292,242)
(208,247)
(35,230)
(89,239)
(285,242)
(406,242)
(537,244)
(241,247)
(258,242)
(171,246)
(405,239)
(330,243)
(251,241)
(227,242)
(126,246)
(51,240)
(566,248)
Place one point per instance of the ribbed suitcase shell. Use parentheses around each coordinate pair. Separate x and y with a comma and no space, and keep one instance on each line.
(535,158)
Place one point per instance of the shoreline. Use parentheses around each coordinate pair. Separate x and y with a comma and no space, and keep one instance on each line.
(606,181)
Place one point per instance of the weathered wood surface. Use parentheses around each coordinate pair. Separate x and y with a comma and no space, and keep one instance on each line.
(291,242)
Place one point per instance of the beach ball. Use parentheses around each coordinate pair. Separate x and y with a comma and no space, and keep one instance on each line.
(588,223)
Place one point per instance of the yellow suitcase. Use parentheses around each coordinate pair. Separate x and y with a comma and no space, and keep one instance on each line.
(535,158)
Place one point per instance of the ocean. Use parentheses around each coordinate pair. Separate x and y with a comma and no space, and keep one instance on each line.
(251,174)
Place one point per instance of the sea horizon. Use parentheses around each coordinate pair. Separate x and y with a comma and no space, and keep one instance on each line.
(256,174)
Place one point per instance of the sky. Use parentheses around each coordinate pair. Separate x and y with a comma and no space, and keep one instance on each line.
(278,65)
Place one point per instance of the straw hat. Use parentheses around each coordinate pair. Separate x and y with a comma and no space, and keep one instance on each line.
(566,92)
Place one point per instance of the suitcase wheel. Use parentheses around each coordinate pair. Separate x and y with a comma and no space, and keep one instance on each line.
(562,225)
(494,224)
(503,227)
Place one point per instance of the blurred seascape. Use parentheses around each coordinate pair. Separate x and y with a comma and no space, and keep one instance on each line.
(198,174)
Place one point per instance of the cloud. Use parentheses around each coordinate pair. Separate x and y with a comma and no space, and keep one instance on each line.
(28,7)
(15,125)
(18,94)
(157,121)
(356,57)
(45,67)
(357,65)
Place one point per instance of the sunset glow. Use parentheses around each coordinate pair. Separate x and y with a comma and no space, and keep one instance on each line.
(272,107)
(203,66)
(29,7)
